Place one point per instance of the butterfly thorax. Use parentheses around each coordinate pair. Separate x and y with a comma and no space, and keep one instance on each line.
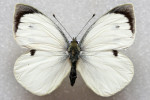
(73,51)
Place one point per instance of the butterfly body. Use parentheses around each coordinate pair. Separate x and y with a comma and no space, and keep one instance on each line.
(74,52)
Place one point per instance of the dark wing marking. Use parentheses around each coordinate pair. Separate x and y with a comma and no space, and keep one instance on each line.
(115,52)
(126,10)
(22,9)
(32,52)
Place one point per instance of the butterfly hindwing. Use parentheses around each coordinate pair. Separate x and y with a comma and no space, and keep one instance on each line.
(43,72)
(105,73)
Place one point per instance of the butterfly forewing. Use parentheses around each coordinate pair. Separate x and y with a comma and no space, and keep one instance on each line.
(34,30)
(114,30)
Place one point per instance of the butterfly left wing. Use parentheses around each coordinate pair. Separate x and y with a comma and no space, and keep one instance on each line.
(102,67)
(42,70)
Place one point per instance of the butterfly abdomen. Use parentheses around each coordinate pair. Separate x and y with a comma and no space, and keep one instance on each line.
(73,56)
(73,74)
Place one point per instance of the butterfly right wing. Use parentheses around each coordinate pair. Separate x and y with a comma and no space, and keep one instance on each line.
(102,67)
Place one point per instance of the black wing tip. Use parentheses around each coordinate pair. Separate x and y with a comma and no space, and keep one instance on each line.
(20,10)
(24,7)
(120,7)
(20,5)
(126,5)
(128,11)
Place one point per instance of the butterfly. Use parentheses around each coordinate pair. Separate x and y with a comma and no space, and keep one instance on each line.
(96,56)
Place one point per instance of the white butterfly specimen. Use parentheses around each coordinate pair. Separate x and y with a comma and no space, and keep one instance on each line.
(105,70)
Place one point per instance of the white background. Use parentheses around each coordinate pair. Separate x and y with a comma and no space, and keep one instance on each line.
(73,14)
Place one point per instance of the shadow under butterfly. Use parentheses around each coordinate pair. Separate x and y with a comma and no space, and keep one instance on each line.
(105,70)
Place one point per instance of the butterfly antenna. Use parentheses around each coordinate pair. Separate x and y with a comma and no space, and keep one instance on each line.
(62,25)
(85,24)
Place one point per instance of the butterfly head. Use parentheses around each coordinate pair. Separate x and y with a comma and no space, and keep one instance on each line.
(74,40)
(73,45)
